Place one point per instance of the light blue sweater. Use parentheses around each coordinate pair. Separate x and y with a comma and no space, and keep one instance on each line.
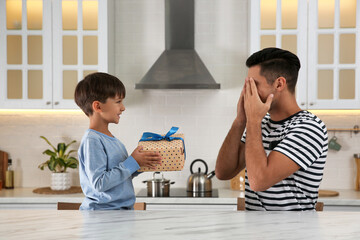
(106,173)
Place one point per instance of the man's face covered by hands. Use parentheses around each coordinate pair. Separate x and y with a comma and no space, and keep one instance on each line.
(264,89)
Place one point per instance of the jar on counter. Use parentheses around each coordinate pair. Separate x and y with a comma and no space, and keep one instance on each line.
(9,176)
(357,181)
(238,182)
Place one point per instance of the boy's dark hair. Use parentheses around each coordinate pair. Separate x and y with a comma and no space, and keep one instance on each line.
(275,63)
(97,87)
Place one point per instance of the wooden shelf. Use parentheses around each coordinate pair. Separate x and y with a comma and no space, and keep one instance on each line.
(355,129)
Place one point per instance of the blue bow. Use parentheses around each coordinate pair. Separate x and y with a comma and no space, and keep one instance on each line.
(148,136)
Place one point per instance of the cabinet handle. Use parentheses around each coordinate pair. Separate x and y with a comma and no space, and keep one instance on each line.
(56,103)
(311,104)
(48,103)
(302,104)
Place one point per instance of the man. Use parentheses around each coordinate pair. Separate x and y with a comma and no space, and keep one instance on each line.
(286,148)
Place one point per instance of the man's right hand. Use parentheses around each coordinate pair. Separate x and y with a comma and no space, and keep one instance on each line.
(231,157)
(241,116)
(145,158)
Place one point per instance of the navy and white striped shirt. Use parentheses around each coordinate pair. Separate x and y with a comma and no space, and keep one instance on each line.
(303,138)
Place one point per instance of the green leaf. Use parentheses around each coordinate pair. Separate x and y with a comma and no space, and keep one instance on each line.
(41,166)
(73,159)
(52,164)
(49,152)
(61,149)
(73,165)
(66,147)
(72,162)
(70,152)
(48,142)
(61,162)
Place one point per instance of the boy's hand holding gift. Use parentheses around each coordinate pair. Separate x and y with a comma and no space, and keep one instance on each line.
(170,146)
(145,158)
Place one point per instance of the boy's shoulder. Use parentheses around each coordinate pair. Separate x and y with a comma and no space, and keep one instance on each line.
(93,134)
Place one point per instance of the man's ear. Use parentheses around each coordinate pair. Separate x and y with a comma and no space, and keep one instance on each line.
(280,84)
(96,106)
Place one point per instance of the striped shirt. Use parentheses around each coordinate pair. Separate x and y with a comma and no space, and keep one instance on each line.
(303,138)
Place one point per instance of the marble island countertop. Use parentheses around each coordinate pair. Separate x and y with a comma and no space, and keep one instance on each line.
(226,197)
(53,224)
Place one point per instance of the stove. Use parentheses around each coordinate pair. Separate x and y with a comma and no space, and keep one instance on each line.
(182,193)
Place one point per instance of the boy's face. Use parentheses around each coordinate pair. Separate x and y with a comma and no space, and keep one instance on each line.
(112,109)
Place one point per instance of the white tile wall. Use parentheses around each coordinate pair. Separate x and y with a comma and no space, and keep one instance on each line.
(204,116)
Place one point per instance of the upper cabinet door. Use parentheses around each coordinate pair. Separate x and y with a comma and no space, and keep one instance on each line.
(323,34)
(333,54)
(25,62)
(282,24)
(80,45)
(47,47)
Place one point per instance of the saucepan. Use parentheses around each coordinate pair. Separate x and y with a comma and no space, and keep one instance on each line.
(158,187)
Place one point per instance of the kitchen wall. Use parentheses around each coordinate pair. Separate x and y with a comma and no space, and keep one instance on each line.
(204,116)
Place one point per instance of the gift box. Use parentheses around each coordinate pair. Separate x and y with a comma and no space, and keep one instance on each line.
(171,146)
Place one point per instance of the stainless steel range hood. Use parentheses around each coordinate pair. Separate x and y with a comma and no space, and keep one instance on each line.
(179,66)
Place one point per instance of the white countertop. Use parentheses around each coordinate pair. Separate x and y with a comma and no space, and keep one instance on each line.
(53,224)
(226,196)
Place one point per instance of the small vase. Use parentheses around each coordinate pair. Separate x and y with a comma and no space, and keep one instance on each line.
(60,181)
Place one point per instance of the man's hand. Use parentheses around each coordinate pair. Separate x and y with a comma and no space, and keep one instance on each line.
(146,159)
(241,116)
(255,109)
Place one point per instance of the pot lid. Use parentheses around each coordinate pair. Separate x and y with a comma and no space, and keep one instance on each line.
(154,179)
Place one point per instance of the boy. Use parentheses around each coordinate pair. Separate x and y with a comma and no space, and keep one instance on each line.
(106,170)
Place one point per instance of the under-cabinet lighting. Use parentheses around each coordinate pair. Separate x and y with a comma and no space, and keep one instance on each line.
(41,111)
(336,112)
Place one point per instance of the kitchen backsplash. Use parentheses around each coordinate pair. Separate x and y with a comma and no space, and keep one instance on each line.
(204,133)
(204,116)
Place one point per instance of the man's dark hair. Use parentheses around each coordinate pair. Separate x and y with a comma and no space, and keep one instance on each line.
(97,87)
(275,63)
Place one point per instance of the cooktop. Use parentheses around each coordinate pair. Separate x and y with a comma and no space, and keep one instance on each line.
(181,192)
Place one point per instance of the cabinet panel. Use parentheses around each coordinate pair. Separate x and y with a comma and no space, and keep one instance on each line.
(192,207)
(34,14)
(25,37)
(326,42)
(335,49)
(282,24)
(83,37)
(42,41)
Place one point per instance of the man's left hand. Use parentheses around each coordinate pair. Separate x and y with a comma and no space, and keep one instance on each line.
(255,109)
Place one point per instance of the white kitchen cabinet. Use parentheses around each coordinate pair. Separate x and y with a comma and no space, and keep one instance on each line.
(47,47)
(28,206)
(149,206)
(324,35)
(192,207)
(342,208)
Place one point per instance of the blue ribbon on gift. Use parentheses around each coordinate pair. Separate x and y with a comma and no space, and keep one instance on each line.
(148,136)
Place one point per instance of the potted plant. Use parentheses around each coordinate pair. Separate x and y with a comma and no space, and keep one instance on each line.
(58,163)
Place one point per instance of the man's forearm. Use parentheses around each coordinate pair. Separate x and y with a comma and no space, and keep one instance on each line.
(229,163)
(256,159)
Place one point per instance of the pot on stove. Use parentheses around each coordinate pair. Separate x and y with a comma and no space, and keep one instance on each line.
(158,187)
(200,182)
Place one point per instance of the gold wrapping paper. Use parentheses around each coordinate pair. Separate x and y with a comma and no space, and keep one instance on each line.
(172,153)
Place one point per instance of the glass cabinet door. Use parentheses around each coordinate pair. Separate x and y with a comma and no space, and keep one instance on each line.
(282,24)
(47,47)
(25,69)
(80,45)
(323,34)
(333,66)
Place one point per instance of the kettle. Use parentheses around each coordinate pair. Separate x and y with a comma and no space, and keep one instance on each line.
(199,181)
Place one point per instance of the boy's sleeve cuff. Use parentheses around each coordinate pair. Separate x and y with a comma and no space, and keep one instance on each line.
(131,164)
